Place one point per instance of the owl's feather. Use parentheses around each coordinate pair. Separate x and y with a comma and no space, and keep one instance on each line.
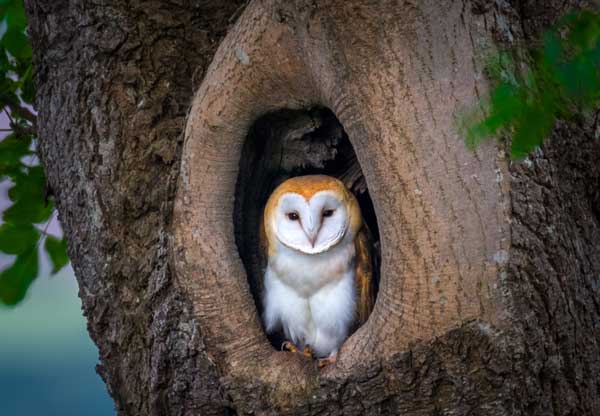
(364,274)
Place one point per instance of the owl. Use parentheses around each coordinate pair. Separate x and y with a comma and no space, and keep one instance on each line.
(318,281)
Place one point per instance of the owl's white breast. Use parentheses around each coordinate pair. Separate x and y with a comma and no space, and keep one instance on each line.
(312,297)
(308,273)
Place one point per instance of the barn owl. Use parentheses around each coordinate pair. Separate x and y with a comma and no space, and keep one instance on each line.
(318,280)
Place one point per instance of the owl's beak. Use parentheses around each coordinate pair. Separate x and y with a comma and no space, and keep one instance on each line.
(312,232)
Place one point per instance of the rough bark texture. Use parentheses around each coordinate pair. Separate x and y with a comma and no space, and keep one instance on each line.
(554,271)
(115,81)
(490,270)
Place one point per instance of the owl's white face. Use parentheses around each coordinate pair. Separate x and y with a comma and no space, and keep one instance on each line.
(310,226)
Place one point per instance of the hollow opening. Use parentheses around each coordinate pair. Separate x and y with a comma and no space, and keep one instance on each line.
(281,145)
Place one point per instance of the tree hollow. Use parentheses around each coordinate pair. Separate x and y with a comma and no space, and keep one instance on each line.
(441,208)
(284,144)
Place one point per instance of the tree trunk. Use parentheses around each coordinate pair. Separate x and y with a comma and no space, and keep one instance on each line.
(489,288)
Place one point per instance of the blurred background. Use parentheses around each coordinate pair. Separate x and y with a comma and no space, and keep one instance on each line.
(47,359)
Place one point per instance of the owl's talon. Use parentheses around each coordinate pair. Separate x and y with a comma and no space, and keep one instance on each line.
(291,347)
(323,362)
(288,346)
(308,352)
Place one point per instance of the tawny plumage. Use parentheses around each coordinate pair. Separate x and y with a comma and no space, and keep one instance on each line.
(318,282)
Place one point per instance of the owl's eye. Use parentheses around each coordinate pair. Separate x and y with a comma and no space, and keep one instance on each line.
(328,213)
(293,216)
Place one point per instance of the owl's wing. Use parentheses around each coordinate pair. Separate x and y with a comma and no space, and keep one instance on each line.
(364,274)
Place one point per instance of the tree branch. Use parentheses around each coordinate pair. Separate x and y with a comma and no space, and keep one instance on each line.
(23,113)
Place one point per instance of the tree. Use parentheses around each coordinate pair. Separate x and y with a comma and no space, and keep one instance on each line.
(488,296)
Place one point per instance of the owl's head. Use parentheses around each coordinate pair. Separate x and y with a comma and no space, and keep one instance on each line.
(311,214)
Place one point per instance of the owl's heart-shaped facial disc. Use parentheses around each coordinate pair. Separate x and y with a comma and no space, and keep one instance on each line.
(310,225)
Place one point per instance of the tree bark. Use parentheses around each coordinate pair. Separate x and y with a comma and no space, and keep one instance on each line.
(489,292)
(114,85)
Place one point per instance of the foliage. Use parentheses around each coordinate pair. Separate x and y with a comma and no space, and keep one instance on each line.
(20,232)
(562,81)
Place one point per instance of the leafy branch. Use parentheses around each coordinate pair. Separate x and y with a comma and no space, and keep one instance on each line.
(562,81)
(20,232)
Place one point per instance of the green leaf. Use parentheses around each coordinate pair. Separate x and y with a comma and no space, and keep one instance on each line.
(8,88)
(17,239)
(16,279)
(32,182)
(562,80)
(15,16)
(552,47)
(17,44)
(12,150)
(5,64)
(28,194)
(31,210)
(57,251)
(533,127)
